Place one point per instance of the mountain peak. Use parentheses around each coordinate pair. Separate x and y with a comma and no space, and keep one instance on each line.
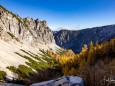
(27,29)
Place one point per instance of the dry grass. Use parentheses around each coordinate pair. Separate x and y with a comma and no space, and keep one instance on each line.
(43,75)
(93,75)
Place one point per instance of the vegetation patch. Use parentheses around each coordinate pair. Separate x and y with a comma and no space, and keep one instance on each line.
(12,68)
(38,62)
(43,66)
(2,74)
(22,71)
(32,63)
(13,36)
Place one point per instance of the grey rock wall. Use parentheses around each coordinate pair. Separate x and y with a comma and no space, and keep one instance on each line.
(25,29)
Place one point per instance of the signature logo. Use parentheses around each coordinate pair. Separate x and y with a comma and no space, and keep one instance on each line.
(108,80)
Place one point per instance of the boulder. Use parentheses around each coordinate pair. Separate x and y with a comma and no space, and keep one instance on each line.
(62,81)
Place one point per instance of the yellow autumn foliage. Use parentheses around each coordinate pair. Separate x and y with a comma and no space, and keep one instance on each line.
(72,71)
(69,61)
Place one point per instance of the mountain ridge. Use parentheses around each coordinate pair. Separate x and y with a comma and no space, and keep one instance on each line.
(84,36)
(27,29)
(18,34)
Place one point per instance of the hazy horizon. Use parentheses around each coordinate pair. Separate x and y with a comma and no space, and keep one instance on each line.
(69,14)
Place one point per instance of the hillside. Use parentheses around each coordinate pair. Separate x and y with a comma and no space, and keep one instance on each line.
(75,40)
(17,33)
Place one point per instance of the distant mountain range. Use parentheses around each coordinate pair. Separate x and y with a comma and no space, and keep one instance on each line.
(75,39)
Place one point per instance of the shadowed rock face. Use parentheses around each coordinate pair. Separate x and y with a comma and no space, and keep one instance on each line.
(27,29)
(62,37)
(76,39)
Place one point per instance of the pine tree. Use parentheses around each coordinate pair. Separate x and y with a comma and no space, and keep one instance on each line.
(73,71)
(91,57)
(83,56)
(65,70)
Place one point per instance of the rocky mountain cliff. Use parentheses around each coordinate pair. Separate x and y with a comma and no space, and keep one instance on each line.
(26,30)
(22,34)
(74,40)
(63,36)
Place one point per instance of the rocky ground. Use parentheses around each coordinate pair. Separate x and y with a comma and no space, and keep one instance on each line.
(9,84)
(63,81)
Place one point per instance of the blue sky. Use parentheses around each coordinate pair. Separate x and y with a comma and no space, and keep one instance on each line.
(70,14)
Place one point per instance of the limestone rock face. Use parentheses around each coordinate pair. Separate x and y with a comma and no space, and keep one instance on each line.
(18,33)
(63,81)
(26,30)
(64,36)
